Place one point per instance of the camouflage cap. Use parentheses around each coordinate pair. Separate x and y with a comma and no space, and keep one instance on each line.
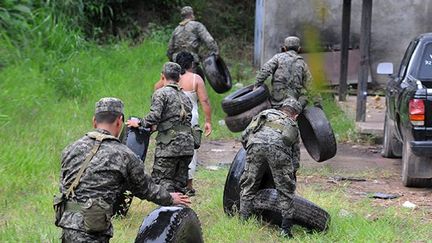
(293,103)
(171,68)
(187,10)
(291,41)
(109,104)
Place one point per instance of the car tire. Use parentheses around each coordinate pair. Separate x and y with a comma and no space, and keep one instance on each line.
(392,148)
(239,122)
(317,134)
(217,74)
(308,214)
(244,99)
(171,224)
(411,162)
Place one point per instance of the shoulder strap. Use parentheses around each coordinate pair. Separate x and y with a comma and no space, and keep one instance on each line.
(94,150)
(183,110)
(193,82)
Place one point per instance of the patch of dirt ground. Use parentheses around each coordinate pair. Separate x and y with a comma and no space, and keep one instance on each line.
(359,169)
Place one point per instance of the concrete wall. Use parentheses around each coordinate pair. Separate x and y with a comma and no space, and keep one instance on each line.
(394,24)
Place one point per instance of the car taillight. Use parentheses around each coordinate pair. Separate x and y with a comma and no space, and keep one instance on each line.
(417,112)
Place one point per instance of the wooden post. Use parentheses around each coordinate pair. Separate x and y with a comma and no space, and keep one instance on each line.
(365,36)
(345,35)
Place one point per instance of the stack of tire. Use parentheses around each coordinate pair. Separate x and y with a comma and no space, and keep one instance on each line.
(242,105)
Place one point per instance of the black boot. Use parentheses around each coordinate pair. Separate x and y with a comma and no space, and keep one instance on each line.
(286,226)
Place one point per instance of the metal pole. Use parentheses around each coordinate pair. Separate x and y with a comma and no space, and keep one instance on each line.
(365,36)
(346,21)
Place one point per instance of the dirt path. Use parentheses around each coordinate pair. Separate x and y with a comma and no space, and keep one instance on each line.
(352,162)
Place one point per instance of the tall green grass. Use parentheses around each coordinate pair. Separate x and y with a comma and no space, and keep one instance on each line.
(46,104)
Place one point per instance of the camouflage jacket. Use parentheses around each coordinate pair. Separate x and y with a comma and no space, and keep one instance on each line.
(274,127)
(165,112)
(291,76)
(113,169)
(188,36)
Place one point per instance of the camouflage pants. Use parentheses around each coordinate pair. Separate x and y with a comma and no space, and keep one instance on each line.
(70,235)
(259,157)
(172,172)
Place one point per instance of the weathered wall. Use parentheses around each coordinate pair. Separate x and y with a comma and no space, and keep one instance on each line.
(394,24)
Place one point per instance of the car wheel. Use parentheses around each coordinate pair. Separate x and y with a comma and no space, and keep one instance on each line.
(392,148)
(317,134)
(239,122)
(244,99)
(171,224)
(411,163)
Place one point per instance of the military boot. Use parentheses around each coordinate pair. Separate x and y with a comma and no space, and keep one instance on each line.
(286,226)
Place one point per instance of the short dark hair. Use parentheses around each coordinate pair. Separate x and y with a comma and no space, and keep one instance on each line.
(107,116)
(172,76)
(185,60)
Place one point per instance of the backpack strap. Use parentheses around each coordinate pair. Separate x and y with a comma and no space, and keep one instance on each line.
(99,138)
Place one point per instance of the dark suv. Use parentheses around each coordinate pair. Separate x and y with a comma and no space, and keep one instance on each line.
(408,118)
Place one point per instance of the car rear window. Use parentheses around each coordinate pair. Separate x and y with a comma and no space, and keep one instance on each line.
(425,65)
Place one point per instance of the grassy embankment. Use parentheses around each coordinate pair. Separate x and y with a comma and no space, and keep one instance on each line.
(47,103)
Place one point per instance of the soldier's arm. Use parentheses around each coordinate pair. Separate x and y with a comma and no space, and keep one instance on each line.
(248,130)
(170,50)
(266,70)
(142,185)
(205,36)
(156,108)
(296,153)
(307,79)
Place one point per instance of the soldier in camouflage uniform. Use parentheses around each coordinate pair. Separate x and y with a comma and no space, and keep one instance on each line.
(271,141)
(171,113)
(188,36)
(94,172)
(291,75)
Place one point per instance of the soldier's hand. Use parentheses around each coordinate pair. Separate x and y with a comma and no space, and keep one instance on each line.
(132,123)
(207,129)
(180,198)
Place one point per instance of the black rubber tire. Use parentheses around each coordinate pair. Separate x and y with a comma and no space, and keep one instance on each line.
(217,74)
(317,134)
(137,139)
(244,99)
(239,122)
(170,224)
(231,194)
(306,213)
(392,148)
(409,163)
